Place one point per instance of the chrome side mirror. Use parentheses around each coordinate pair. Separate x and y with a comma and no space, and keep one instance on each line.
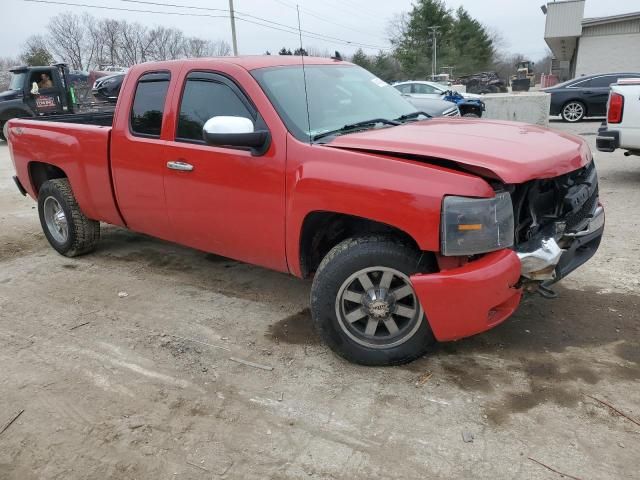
(235,132)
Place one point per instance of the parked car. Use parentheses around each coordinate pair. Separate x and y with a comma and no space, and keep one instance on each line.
(108,88)
(412,230)
(583,96)
(420,92)
(424,89)
(435,108)
(622,127)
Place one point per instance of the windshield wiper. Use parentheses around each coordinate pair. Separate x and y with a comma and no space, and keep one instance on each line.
(354,126)
(410,116)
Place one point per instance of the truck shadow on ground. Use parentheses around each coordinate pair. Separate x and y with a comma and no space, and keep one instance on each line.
(550,351)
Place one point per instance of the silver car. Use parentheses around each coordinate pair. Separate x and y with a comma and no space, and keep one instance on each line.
(435,107)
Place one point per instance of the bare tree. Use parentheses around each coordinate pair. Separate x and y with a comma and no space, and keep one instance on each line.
(67,34)
(397,27)
(84,42)
(5,76)
(134,44)
(320,52)
(196,47)
(168,43)
(219,48)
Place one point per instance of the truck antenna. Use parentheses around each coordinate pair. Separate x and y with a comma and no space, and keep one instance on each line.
(304,74)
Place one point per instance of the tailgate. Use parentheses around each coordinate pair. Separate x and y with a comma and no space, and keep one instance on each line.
(81,152)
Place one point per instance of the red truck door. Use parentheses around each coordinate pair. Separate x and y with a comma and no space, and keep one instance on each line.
(223,200)
(137,154)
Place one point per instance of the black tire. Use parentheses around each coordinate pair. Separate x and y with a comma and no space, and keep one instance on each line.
(471,115)
(82,233)
(350,258)
(573,111)
(3,135)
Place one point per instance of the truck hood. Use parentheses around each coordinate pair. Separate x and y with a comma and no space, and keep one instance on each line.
(509,151)
(10,95)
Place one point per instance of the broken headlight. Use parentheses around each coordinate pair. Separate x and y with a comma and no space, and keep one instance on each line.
(476,225)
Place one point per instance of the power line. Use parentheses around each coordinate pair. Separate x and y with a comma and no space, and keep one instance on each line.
(237,12)
(291,30)
(316,15)
(100,7)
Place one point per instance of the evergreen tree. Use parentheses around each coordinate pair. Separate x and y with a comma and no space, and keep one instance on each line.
(471,44)
(284,51)
(35,52)
(300,52)
(360,58)
(462,41)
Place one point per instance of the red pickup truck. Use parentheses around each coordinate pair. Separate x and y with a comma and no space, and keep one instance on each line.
(413,229)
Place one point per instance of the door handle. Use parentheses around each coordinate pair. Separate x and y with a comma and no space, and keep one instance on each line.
(179,165)
(588,92)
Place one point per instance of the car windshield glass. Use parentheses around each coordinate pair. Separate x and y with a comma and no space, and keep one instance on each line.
(338,95)
(17,81)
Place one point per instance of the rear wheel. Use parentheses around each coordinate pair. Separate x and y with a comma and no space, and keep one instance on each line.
(4,131)
(67,229)
(364,305)
(573,111)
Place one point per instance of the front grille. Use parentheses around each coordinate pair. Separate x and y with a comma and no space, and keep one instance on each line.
(560,204)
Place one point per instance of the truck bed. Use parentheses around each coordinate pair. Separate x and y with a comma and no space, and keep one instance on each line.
(77,144)
(101,118)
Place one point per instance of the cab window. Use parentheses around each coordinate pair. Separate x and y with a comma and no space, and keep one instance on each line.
(406,88)
(424,89)
(44,80)
(148,104)
(205,96)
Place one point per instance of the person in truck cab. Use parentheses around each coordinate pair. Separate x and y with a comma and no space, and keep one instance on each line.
(45,81)
(412,229)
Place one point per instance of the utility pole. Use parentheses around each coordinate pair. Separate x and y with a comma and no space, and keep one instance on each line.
(233,28)
(434,60)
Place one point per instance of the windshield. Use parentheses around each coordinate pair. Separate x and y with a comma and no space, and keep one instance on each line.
(338,95)
(17,81)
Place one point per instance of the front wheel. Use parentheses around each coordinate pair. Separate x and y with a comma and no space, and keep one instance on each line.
(573,112)
(363,303)
(67,229)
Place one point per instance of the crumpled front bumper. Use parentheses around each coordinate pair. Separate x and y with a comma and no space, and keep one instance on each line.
(470,299)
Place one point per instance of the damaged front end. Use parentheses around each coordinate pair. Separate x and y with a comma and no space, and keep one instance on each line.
(558,225)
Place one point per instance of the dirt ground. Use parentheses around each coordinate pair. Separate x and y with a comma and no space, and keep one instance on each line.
(142,386)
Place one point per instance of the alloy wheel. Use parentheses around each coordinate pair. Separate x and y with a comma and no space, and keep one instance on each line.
(377,307)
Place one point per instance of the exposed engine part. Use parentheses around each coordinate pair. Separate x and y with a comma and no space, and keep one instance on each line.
(554,208)
(540,264)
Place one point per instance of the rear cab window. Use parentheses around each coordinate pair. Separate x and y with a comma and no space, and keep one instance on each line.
(148,104)
(206,95)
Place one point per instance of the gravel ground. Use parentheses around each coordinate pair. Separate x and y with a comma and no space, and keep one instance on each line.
(121,361)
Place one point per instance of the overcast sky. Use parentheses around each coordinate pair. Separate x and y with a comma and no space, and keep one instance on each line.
(520,22)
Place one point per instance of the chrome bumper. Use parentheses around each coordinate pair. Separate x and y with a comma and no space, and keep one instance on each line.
(541,263)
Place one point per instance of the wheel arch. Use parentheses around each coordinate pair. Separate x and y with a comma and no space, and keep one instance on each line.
(40,172)
(322,230)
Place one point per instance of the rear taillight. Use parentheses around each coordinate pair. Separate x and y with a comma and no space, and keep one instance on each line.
(616,106)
